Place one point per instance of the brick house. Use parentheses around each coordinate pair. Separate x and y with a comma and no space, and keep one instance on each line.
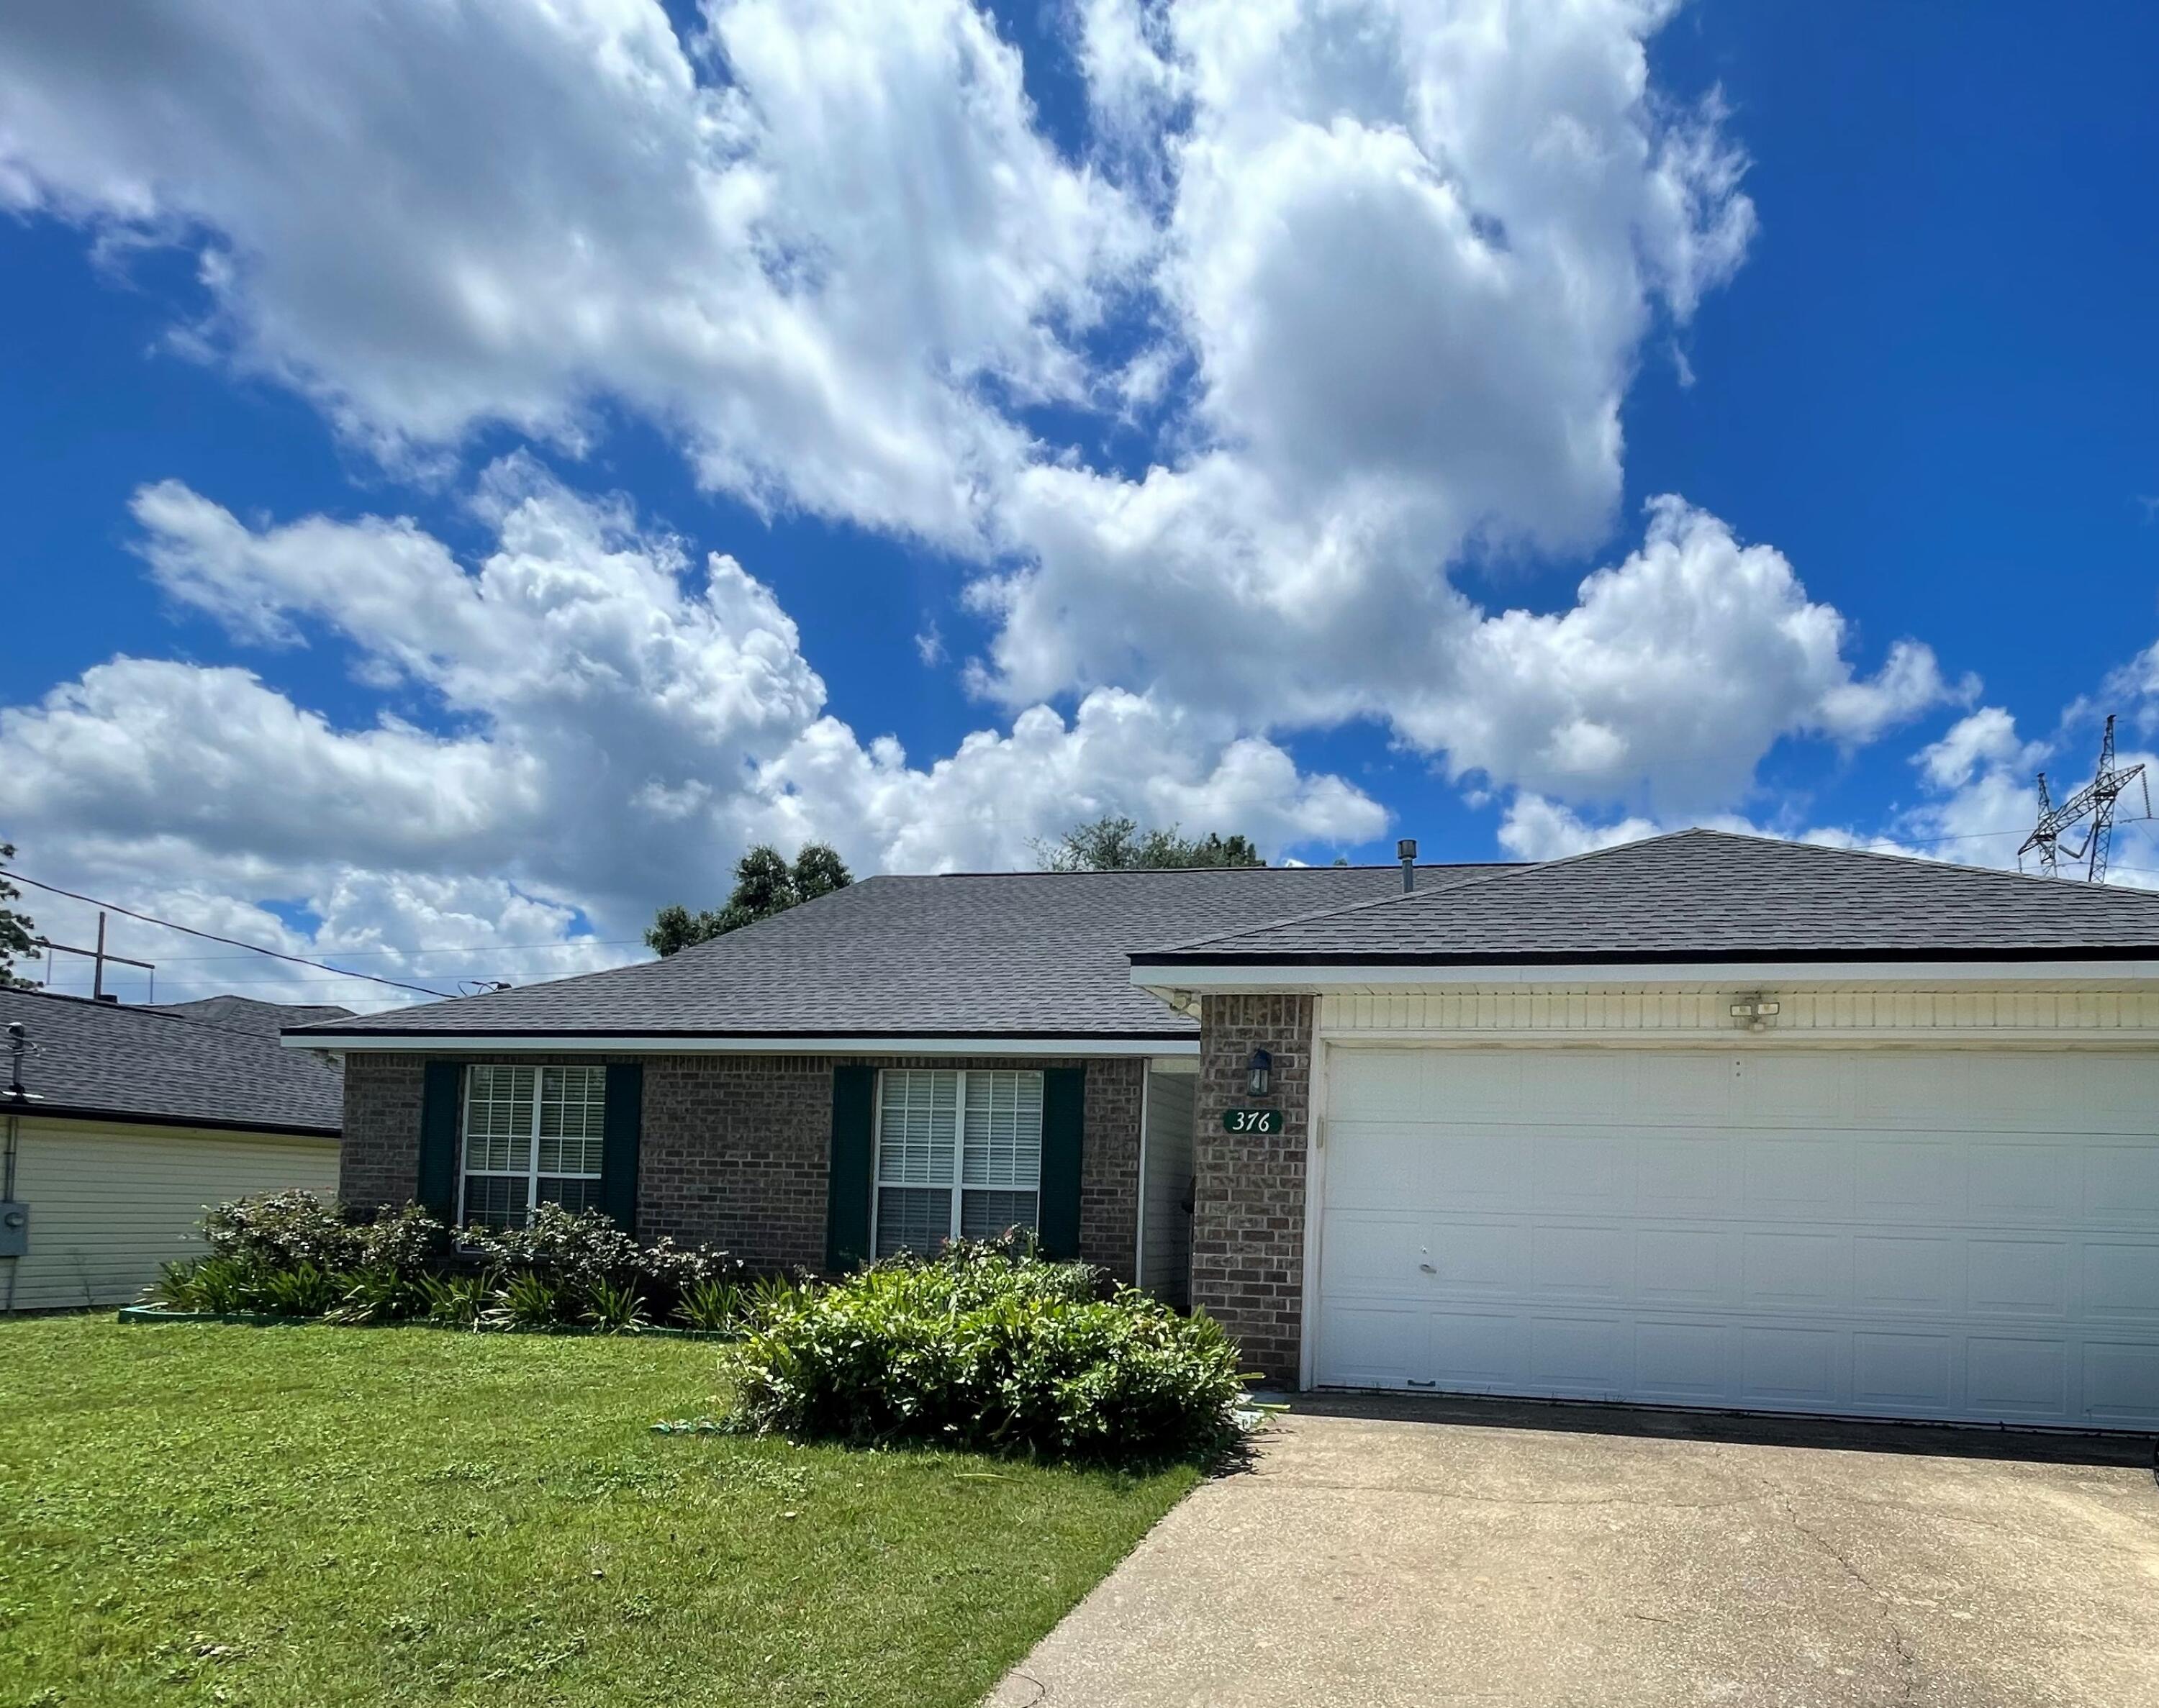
(1705,1119)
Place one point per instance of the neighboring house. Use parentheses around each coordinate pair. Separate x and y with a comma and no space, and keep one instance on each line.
(132,1120)
(1705,1119)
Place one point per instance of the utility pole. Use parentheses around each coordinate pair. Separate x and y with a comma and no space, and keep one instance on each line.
(2095,801)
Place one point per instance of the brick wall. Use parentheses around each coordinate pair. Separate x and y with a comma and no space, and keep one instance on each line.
(379,1157)
(735,1147)
(1248,1190)
(1109,1165)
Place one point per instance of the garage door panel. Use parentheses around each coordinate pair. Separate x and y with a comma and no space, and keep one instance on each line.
(1900,1273)
(2121,1184)
(1571,1172)
(1803,1176)
(2018,1277)
(1901,1373)
(2024,1377)
(1954,1248)
(1696,1267)
(1478,1257)
(1378,1346)
(1909,1180)
(1581,1261)
(1682,1174)
(2121,1382)
(2028,1184)
(1377,1251)
(1580,1355)
(2121,1280)
(1683,1362)
(1480,1168)
(1478,1350)
(1382,1165)
(1790,1366)
(1806,1270)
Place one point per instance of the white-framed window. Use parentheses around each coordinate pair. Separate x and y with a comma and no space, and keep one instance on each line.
(959,1156)
(531,1136)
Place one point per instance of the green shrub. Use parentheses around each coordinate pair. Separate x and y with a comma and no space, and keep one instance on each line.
(983,1350)
(292,1254)
(580,1255)
(410,1241)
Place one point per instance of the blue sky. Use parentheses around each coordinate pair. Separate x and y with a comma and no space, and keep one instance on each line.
(1418,314)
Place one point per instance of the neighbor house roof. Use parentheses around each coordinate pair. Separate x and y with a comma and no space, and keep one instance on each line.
(252,1014)
(1704,896)
(1015,955)
(156,1065)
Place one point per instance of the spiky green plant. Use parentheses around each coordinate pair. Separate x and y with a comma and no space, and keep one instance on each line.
(713,1306)
(614,1309)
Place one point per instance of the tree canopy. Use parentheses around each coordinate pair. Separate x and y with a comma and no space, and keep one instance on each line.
(1114,844)
(15,929)
(765,884)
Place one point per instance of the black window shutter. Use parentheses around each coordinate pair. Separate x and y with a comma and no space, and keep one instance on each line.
(847,1196)
(622,1126)
(1063,1101)
(441,1085)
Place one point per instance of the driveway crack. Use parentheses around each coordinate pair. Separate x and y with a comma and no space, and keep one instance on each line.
(1908,1663)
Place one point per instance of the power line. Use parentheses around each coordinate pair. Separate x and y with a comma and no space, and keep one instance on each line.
(454,949)
(230,942)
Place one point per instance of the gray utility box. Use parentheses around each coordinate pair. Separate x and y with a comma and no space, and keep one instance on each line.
(14,1229)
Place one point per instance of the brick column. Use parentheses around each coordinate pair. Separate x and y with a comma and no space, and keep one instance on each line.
(379,1155)
(1248,1190)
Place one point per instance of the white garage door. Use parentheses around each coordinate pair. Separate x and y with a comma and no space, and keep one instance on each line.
(1947,1234)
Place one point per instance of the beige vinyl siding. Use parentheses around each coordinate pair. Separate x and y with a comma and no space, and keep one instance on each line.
(1166,1238)
(110,1203)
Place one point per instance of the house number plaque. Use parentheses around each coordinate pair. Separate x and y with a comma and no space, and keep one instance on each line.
(1252,1120)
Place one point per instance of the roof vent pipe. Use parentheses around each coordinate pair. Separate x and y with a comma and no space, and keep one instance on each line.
(1406,850)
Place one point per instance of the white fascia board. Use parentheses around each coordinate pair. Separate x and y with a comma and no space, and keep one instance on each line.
(421,1041)
(1260,978)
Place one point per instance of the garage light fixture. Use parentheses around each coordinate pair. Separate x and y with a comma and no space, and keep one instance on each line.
(1261,1071)
(1754,1013)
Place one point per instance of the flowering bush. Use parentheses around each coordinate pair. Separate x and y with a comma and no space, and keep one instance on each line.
(291,1254)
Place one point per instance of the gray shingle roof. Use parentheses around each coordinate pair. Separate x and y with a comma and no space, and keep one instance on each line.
(1709,896)
(153,1064)
(1013,954)
(249,1014)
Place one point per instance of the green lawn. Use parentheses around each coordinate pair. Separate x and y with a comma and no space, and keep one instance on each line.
(316,1516)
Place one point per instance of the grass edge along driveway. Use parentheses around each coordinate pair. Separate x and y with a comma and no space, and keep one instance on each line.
(214,1514)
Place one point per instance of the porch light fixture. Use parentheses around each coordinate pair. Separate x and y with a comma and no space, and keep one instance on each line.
(1754,1013)
(1261,1073)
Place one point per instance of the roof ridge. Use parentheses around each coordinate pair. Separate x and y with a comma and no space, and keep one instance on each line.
(1506,869)
(1167,870)
(1932,861)
(161,1012)
(1501,869)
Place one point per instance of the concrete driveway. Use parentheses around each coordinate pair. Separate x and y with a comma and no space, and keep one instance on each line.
(1431,1554)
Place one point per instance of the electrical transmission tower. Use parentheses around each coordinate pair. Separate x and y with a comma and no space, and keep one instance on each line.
(2095,801)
